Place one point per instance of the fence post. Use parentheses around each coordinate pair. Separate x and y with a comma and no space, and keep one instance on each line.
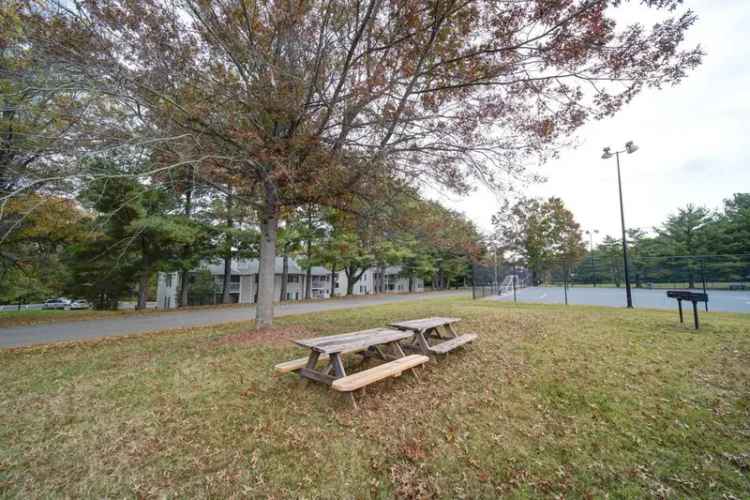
(703,277)
(473,281)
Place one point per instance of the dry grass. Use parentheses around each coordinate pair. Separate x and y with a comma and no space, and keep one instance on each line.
(552,401)
(10,319)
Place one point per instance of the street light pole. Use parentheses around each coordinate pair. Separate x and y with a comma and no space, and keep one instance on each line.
(624,237)
(629,148)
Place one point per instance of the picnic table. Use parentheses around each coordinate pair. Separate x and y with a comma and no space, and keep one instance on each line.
(382,343)
(428,338)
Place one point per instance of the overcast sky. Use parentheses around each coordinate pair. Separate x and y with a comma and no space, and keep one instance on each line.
(693,138)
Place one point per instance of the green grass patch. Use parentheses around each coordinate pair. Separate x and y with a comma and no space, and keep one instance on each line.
(551,401)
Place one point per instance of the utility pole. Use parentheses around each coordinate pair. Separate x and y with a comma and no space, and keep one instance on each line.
(629,148)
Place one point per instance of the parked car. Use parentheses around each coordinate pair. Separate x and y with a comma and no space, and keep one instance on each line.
(79,304)
(59,303)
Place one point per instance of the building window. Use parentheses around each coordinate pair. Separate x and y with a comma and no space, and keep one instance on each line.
(292,278)
(235,278)
(168,280)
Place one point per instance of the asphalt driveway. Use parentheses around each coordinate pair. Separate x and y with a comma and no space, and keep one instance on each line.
(88,329)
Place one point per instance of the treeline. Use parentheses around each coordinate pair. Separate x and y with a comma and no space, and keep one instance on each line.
(692,244)
(107,241)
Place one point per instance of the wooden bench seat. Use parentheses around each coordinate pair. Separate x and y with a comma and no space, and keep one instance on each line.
(391,369)
(449,345)
(296,364)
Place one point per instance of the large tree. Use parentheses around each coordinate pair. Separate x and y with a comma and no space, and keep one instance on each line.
(307,101)
(139,229)
(543,233)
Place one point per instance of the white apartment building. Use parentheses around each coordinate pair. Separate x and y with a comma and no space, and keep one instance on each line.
(243,286)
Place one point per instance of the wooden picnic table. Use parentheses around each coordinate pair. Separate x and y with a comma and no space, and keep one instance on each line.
(369,342)
(428,338)
(382,343)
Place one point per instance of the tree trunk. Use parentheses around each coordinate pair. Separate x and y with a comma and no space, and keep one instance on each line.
(184,282)
(268,231)
(225,295)
(184,287)
(411,284)
(284,276)
(142,289)
(333,281)
(308,255)
(308,283)
(349,282)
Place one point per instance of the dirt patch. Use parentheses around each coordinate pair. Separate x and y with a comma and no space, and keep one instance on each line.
(266,336)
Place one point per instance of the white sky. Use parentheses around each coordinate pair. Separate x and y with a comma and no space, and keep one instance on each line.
(693,138)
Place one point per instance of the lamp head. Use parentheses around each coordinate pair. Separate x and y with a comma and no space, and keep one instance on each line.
(630,147)
(607,154)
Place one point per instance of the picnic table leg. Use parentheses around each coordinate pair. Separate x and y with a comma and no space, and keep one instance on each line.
(450,329)
(695,314)
(433,332)
(338,368)
(679,307)
(400,352)
(380,352)
(422,342)
(312,360)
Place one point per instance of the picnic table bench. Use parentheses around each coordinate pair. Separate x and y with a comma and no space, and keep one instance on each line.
(428,338)
(382,343)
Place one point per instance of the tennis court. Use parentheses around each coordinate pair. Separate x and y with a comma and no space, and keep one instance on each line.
(719,300)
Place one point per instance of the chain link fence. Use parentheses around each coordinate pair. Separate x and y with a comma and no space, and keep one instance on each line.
(488,280)
(710,272)
(703,272)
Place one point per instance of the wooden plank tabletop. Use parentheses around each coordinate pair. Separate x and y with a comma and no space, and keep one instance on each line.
(354,340)
(424,323)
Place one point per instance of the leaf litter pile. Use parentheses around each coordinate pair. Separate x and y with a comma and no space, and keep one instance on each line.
(550,402)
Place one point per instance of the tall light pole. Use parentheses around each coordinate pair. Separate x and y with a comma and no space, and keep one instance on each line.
(591,234)
(630,148)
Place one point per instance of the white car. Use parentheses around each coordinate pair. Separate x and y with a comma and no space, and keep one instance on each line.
(59,303)
(79,304)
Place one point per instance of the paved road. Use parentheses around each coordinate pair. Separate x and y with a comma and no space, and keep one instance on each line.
(719,300)
(79,330)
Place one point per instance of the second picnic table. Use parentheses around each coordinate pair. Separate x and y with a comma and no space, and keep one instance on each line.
(428,339)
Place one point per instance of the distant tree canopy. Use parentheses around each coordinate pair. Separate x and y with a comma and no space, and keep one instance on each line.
(543,233)
(692,242)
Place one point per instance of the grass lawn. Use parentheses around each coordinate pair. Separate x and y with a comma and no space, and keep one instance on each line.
(10,319)
(574,402)
(40,316)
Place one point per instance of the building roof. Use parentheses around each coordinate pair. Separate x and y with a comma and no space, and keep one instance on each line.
(250,266)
